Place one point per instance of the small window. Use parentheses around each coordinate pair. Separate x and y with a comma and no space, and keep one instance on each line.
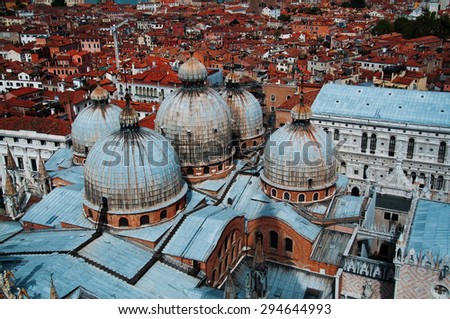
(16,140)
(44,143)
(272,97)
(336,135)
(387,216)
(163,214)
(274,192)
(288,245)
(123,222)
(144,220)
(273,239)
(287,196)
(394,217)
(316,196)
(29,141)
(301,198)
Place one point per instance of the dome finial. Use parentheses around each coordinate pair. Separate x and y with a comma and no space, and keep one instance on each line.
(301,113)
(129,118)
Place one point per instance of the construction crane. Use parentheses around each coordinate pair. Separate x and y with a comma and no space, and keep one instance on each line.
(113,31)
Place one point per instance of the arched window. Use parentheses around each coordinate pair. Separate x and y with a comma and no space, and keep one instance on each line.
(326,130)
(410,150)
(273,239)
(190,171)
(310,182)
(391,146)
(144,220)
(274,192)
(336,135)
(163,214)
(373,143)
(272,97)
(287,196)
(301,198)
(316,196)
(343,168)
(366,167)
(220,167)
(364,143)
(355,191)
(244,145)
(413,177)
(441,153)
(432,181)
(440,183)
(288,245)
(123,222)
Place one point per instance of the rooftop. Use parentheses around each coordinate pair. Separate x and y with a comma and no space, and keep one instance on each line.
(382,104)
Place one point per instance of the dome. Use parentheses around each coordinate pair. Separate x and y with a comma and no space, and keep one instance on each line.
(192,71)
(295,154)
(135,168)
(91,124)
(197,121)
(300,157)
(99,94)
(245,109)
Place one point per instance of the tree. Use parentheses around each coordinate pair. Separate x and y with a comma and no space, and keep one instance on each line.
(383,26)
(59,3)
(284,17)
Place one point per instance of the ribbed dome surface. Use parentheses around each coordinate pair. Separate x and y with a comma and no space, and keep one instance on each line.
(246,112)
(99,94)
(297,152)
(198,124)
(93,123)
(192,71)
(137,170)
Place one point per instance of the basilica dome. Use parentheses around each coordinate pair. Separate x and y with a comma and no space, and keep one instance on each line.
(93,123)
(137,170)
(246,113)
(299,160)
(197,121)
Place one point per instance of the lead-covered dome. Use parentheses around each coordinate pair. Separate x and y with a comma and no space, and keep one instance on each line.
(299,160)
(246,112)
(197,121)
(94,122)
(192,71)
(137,170)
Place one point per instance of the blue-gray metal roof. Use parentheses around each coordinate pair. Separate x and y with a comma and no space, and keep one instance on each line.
(45,241)
(151,233)
(286,282)
(431,228)
(384,104)
(63,204)
(247,196)
(198,234)
(346,206)
(62,158)
(109,251)
(70,273)
(9,228)
(73,175)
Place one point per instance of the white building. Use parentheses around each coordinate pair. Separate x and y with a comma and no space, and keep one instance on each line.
(375,124)
(27,144)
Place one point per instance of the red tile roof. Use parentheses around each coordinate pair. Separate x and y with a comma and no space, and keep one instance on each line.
(36,124)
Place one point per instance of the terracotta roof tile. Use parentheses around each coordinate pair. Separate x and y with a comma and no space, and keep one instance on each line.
(37,124)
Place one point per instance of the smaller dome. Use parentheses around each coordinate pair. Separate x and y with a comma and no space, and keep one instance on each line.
(192,71)
(233,78)
(301,112)
(99,94)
